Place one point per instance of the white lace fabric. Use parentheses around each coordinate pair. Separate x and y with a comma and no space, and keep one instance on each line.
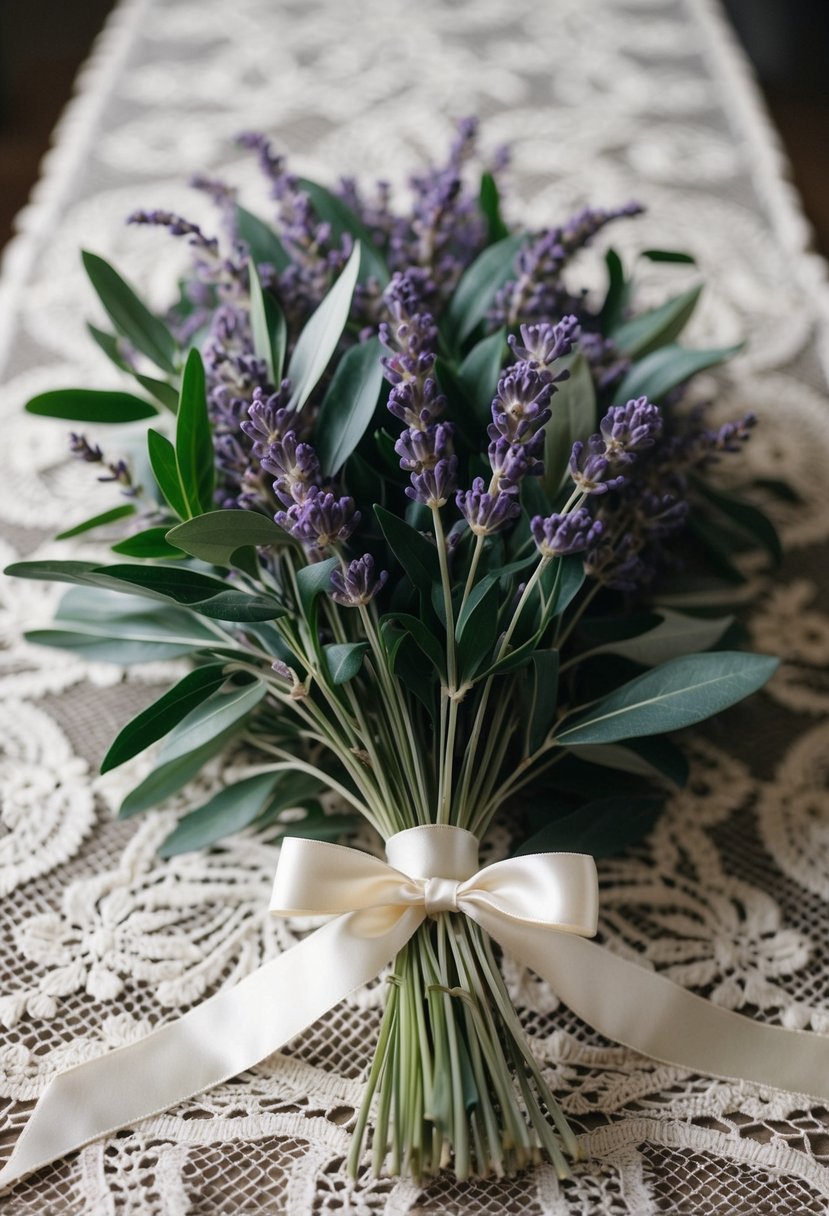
(601,101)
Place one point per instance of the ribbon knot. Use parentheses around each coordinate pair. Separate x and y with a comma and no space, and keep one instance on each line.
(440,895)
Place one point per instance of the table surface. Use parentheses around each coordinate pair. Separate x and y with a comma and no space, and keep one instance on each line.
(602,101)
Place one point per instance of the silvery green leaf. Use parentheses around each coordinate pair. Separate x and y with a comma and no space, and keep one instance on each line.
(660,371)
(573,417)
(318,340)
(474,294)
(215,536)
(91,405)
(267,323)
(344,660)
(601,828)
(231,810)
(656,328)
(680,693)
(675,635)
(130,315)
(221,710)
(348,405)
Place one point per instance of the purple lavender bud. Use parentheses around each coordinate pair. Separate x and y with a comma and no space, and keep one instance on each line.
(435,486)
(520,407)
(356,584)
(321,519)
(619,565)
(267,419)
(558,535)
(545,343)
(511,462)
(295,467)
(420,449)
(484,512)
(628,429)
(82,449)
(589,467)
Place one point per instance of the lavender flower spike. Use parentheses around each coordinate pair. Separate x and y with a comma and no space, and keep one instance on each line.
(484,512)
(589,467)
(357,584)
(320,520)
(628,429)
(558,535)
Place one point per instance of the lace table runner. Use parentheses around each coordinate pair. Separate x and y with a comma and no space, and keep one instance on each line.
(602,100)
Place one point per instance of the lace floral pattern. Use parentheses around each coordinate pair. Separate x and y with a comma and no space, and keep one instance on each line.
(99,939)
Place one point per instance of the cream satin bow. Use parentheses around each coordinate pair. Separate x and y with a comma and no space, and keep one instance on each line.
(539,908)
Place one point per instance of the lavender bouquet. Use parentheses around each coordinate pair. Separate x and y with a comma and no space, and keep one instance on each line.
(411,505)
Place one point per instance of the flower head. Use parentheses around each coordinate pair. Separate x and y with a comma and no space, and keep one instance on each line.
(357,584)
(558,535)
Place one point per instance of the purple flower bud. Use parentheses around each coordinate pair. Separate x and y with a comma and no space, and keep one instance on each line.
(628,429)
(320,520)
(267,419)
(435,486)
(484,512)
(545,343)
(420,449)
(295,467)
(589,467)
(357,585)
(520,407)
(558,535)
(511,462)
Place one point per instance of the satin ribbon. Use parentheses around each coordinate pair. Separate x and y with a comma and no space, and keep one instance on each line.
(540,908)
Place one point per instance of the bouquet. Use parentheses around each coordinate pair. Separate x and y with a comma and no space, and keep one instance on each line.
(413,505)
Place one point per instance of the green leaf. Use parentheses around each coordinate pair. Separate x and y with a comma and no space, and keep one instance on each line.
(231,810)
(166,582)
(474,294)
(98,521)
(656,758)
(750,520)
(263,244)
(490,204)
(238,606)
(109,345)
(165,471)
(479,373)
(668,255)
(123,651)
(343,660)
(417,556)
(154,722)
(680,693)
(216,535)
(573,417)
(423,638)
(543,699)
(477,627)
(150,543)
(601,828)
(675,635)
(664,369)
(164,393)
(194,441)
(348,406)
(319,826)
(130,315)
(321,334)
(618,291)
(569,579)
(91,405)
(313,581)
(656,328)
(54,572)
(210,720)
(169,777)
(267,322)
(339,215)
(116,614)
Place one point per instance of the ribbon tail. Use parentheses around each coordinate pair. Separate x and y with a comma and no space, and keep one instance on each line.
(225,1035)
(640,1009)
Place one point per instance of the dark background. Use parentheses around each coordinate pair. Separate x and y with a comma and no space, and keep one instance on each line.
(44,42)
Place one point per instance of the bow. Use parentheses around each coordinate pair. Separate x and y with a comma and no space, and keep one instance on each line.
(540,908)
